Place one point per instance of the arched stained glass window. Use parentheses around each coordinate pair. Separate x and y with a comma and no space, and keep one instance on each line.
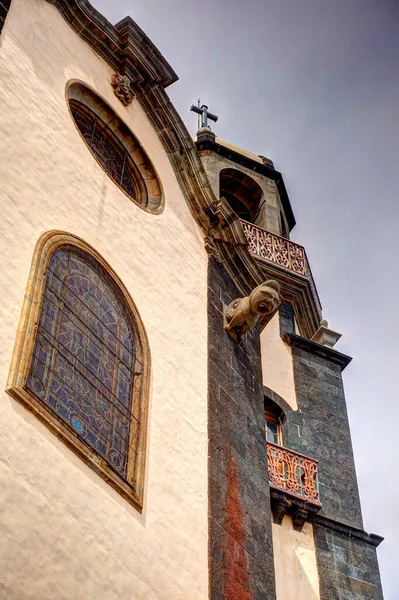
(87,365)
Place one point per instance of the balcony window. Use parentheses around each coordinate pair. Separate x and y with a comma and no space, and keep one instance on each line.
(273,428)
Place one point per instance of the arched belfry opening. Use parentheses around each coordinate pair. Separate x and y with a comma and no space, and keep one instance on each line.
(244,195)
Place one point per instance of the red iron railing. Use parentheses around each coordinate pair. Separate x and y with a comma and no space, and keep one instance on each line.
(272,247)
(292,472)
(280,251)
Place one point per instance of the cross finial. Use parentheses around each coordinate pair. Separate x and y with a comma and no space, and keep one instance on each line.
(205,114)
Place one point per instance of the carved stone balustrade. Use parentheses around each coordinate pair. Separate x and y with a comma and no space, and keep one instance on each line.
(286,262)
(293,484)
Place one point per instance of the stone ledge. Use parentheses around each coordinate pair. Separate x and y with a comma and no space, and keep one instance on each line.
(124,46)
(369,538)
(300,509)
(297,341)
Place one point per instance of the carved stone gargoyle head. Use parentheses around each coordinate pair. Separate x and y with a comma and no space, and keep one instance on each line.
(242,314)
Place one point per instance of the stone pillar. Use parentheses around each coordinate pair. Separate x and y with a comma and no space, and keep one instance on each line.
(241,554)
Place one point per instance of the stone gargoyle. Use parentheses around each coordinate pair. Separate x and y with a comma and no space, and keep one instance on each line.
(243,313)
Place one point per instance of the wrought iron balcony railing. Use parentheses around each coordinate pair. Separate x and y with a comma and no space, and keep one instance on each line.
(277,249)
(293,473)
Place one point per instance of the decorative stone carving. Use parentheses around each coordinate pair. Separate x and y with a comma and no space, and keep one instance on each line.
(299,519)
(326,336)
(243,313)
(122,88)
(212,249)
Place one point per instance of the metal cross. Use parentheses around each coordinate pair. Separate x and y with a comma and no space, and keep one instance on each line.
(205,114)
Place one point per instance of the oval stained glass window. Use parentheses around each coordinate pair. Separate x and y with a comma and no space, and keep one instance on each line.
(115,148)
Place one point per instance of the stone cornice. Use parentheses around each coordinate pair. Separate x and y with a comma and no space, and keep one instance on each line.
(124,46)
(329,354)
(369,538)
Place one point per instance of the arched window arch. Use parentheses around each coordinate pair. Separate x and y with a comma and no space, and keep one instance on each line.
(243,193)
(81,360)
(115,147)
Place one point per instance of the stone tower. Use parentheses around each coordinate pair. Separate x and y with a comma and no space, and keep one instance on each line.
(173,423)
(302,532)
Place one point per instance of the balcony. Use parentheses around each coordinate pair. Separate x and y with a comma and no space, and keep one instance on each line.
(287,262)
(293,484)
(277,249)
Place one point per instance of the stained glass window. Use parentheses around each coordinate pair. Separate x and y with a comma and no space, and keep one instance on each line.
(106,148)
(85,359)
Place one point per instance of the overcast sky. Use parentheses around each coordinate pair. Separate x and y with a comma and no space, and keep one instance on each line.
(314,85)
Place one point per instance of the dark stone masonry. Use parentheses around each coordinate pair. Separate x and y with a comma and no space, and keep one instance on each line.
(346,555)
(241,554)
(4,8)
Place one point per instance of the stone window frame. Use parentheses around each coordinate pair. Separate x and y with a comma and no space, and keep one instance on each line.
(133,488)
(149,192)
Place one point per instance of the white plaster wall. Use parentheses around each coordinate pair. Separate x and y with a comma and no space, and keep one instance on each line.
(295,562)
(277,369)
(66,534)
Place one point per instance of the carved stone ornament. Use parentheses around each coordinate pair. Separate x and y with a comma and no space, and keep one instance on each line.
(212,249)
(243,313)
(122,88)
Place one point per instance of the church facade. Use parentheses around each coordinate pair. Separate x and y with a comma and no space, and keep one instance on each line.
(173,421)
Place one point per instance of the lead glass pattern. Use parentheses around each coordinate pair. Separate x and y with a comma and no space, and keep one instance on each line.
(84,356)
(105,147)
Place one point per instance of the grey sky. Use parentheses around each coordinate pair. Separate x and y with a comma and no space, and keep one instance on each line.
(314,85)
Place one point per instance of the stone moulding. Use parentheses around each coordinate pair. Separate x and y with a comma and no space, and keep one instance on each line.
(124,45)
(297,341)
(369,538)
(133,489)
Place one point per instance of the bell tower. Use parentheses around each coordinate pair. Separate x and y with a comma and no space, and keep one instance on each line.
(285,520)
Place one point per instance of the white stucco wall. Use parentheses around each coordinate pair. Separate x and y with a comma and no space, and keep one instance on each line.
(295,562)
(64,532)
(277,369)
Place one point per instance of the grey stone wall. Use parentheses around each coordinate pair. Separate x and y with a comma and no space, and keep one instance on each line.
(346,555)
(320,429)
(286,317)
(348,567)
(241,555)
